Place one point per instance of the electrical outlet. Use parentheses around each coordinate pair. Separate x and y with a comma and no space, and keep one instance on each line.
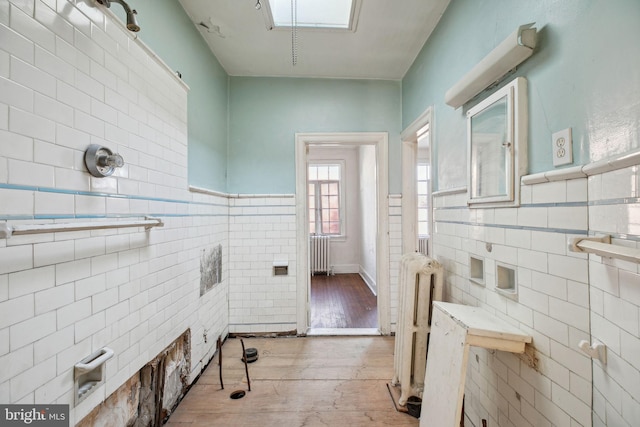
(562,147)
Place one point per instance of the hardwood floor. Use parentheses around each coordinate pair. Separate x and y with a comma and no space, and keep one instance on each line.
(313,381)
(342,301)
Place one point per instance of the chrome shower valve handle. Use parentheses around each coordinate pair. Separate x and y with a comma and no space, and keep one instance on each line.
(101,161)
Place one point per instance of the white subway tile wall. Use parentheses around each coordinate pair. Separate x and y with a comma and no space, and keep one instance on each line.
(564,297)
(261,230)
(552,303)
(70,77)
(615,298)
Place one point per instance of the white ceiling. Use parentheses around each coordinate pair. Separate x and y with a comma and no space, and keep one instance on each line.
(388,37)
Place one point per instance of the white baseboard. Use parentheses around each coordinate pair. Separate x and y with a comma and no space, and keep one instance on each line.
(345,268)
(370,281)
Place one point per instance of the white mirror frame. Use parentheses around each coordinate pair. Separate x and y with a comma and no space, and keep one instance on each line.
(517,128)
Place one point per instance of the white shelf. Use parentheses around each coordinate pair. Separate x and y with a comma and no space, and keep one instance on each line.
(455,328)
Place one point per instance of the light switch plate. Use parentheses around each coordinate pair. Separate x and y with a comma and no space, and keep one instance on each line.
(562,147)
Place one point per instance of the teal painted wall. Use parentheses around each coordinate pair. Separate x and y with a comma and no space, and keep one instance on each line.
(168,31)
(584,75)
(265,114)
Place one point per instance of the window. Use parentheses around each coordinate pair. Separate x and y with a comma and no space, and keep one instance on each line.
(325,206)
(423,199)
(313,13)
(423,175)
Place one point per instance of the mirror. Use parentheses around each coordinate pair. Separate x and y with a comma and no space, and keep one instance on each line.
(496,134)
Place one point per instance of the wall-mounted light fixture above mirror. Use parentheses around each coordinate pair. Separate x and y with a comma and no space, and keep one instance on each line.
(493,67)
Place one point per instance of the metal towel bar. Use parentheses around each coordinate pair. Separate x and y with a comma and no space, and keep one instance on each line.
(7,230)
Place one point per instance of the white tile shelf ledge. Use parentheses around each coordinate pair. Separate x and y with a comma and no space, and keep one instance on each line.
(7,230)
(582,171)
(602,246)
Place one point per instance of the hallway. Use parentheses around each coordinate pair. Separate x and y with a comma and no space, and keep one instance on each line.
(342,301)
(316,381)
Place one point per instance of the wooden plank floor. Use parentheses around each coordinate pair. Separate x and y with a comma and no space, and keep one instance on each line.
(342,301)
(313,381)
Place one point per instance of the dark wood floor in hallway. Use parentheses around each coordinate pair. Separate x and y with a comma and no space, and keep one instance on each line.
(342,301)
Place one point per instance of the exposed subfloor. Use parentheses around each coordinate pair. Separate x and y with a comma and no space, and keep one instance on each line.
(313,381)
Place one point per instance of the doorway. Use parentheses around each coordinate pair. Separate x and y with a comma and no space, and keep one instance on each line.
(375,143)
(417,207)
(341,206)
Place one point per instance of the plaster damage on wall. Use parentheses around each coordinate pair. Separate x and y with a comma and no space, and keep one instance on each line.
(149,396)
(210,268)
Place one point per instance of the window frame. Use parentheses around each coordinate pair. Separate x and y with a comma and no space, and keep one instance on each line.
(351,27)
(427,208)
(342,207)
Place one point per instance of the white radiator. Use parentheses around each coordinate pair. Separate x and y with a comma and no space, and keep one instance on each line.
(319,253)
(423,245)
(420,283)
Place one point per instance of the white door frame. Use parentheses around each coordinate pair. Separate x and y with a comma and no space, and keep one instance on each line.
(408,210)
(381,142)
